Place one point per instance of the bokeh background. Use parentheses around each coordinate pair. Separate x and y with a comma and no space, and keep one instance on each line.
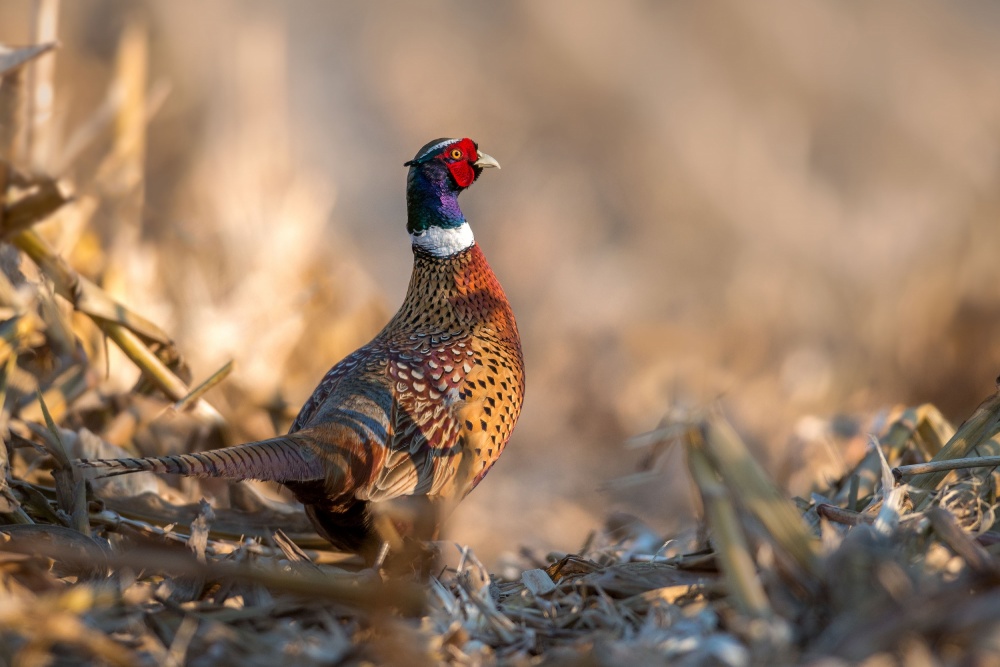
(789,208)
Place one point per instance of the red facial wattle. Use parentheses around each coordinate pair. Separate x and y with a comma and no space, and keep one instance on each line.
(460,157)
(462,172)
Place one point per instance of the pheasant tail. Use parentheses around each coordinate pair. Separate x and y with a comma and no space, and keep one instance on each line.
(281,459)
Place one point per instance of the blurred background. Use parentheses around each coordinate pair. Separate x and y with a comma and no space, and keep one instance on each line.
(787,208)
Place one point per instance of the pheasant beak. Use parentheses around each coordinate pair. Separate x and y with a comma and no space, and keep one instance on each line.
(485,161)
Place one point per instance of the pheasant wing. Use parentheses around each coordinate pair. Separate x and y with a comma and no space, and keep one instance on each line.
(447,430)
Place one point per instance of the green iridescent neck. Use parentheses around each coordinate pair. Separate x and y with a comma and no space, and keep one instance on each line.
(431,199)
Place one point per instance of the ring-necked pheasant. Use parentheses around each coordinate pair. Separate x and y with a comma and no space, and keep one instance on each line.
(423,410)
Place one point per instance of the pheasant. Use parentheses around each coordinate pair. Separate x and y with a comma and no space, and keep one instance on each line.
(424,410)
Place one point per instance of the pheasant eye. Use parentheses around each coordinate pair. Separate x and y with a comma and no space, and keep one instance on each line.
(456,154)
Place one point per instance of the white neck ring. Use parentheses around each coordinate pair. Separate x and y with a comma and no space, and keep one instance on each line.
(444,241)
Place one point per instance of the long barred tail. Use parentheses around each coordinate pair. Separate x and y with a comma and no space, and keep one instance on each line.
(281,459)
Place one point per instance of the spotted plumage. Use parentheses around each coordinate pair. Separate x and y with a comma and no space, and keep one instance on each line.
(422,411)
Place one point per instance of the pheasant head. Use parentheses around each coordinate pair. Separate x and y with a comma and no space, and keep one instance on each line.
(440,171)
